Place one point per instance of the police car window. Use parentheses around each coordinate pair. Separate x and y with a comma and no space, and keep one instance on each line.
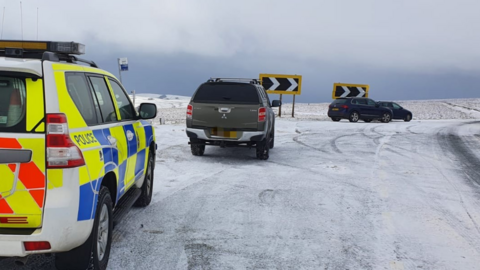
(80,93)
(12,104)
(104,100)
(127,112)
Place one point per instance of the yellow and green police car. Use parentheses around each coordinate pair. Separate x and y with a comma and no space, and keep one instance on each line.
(75,155)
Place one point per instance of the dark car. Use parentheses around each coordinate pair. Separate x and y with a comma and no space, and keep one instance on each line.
(355,108)
(398,111)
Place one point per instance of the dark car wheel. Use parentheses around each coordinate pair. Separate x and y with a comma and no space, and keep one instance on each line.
(408,118)
(386,117)
(335,119)
(354,116)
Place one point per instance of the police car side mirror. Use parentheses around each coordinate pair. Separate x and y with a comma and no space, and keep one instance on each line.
(147,110)
(276,103)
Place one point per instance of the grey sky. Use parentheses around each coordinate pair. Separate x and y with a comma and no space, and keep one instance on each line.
(410,49)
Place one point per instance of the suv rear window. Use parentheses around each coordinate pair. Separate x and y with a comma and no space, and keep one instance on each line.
(239,93)
(12,104)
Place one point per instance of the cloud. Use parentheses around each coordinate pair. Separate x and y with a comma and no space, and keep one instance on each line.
(426,35)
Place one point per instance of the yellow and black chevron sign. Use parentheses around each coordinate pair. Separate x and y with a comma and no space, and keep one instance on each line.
(350,90)
(282,84)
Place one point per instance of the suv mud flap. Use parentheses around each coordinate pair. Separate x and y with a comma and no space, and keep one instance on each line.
(257,138)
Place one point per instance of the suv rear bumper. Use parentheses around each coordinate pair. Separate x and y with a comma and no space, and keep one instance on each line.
(247,136)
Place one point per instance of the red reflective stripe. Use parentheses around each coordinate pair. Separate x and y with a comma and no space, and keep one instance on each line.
(38,196)
(31,176)
(12,167)
(10,143)
(4,207)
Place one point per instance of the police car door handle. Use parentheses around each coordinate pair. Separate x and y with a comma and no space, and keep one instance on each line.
(112,141)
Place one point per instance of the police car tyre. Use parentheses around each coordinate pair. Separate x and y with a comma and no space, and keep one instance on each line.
(354,116)
(147,186)
(386,117)
(262,149)
(408,118)
(335,119)
(94,253)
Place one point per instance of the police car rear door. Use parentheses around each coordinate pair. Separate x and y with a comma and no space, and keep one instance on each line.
(22,144)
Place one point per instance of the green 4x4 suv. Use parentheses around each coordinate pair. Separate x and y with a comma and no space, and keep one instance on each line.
(231,112)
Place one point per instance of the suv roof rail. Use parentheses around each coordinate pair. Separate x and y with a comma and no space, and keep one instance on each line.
(245,80)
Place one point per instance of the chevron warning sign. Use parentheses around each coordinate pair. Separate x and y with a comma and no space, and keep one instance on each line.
(349,90)
(282,84)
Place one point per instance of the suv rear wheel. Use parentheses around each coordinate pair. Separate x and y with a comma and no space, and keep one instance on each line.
(263,148)
(354,116)
(197,149)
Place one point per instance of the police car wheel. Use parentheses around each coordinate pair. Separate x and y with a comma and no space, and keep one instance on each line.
(147,187)
(94,253)
(102,230)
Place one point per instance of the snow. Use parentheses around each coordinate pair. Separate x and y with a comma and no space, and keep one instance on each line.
(333,195)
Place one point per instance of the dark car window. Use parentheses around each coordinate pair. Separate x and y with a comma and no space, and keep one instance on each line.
(396,106)
(240,93)
(361,101)
(340,101)
(371,102)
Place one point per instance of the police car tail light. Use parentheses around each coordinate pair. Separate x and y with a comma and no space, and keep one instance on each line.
(40,245)
(262,114)
(189,111)
(61,150)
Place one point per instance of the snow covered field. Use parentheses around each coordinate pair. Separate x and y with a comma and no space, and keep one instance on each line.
(333,195)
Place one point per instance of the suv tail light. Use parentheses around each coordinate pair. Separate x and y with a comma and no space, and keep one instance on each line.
(61,151)
(344,106)
(262,114)
(189,111)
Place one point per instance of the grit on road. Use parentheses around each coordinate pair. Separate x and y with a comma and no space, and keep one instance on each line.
(332,196)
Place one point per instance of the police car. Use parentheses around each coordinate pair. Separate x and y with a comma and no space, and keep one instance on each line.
(75,155)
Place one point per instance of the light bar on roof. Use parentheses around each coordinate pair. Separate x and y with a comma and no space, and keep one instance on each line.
(44,46)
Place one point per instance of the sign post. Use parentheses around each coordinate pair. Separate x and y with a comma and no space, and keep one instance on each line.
(282,84)
(122,66)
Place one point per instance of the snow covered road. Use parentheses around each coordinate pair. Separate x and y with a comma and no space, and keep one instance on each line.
(332,196)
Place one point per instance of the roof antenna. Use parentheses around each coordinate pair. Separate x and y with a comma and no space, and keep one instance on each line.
(21,18)
(3,20)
